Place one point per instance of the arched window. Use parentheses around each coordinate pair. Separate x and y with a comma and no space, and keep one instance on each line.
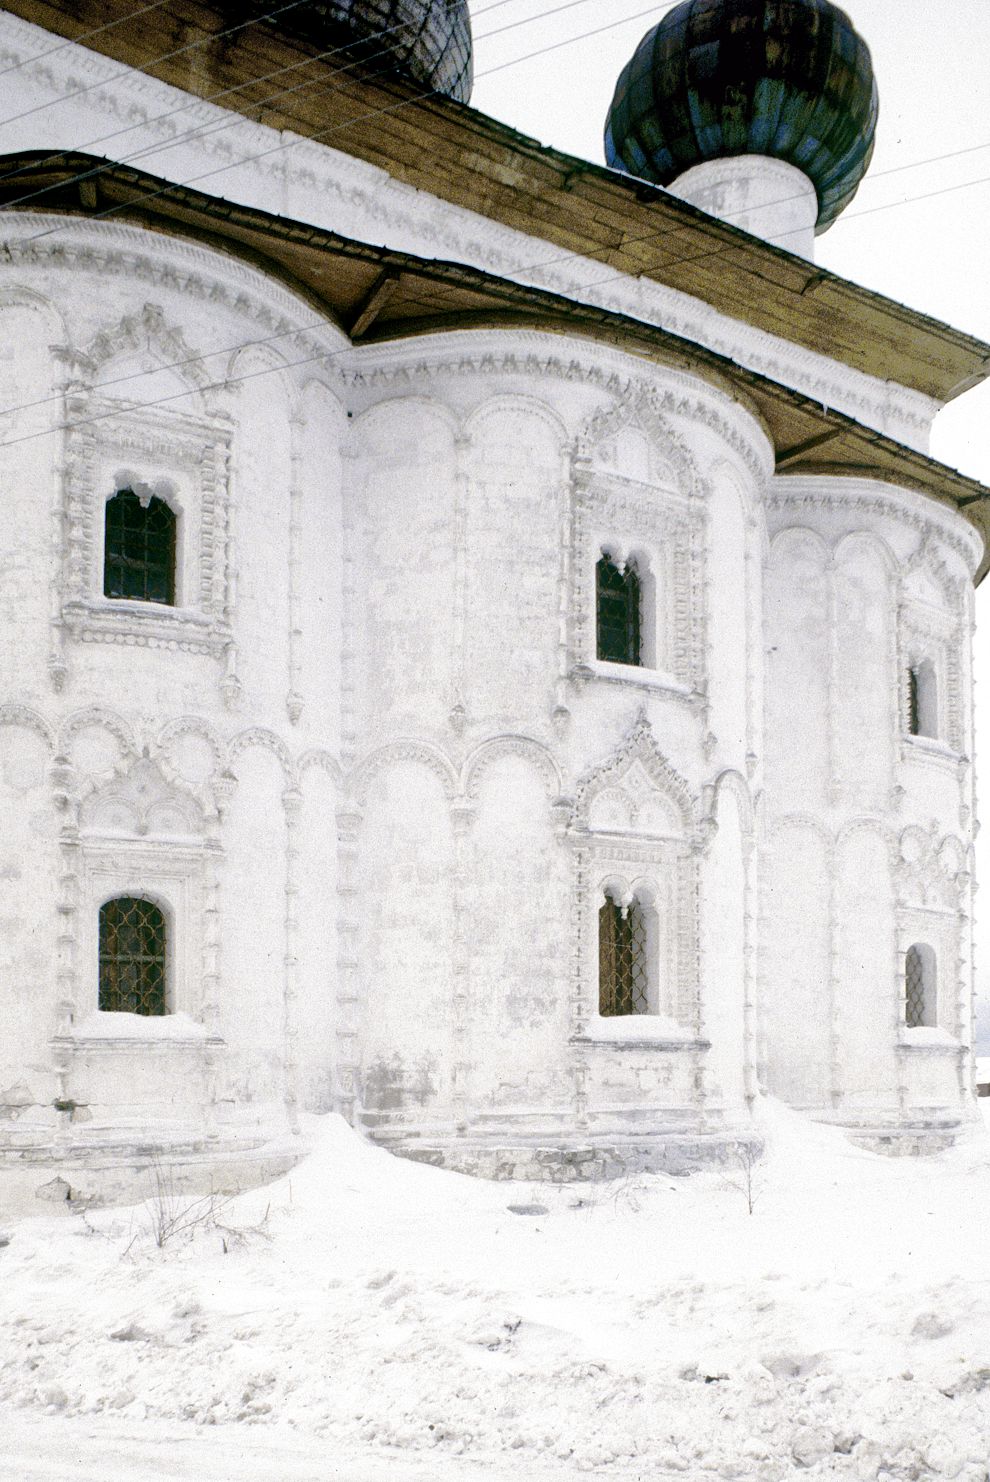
(139,549)
(132,957)
(619,611)
(623,959)
(922,700)
(920,987)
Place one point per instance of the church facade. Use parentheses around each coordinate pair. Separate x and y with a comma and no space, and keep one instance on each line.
(528,718)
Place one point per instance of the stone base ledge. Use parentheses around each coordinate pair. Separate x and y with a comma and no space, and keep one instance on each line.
(49,1181)
(593,1160)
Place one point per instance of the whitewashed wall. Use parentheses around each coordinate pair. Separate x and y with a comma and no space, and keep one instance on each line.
(377,776)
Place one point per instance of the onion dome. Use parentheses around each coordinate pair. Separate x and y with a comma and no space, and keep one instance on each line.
(425,41)
(789,79)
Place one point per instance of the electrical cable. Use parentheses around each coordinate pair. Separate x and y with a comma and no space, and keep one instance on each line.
(286,144)
(573,256)
(82,37)
(204,131)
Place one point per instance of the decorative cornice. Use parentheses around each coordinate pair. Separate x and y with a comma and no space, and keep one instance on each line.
(344,193)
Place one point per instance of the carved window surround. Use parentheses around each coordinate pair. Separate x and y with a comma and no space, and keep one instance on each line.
(633,831)
(926,634)
(181,458)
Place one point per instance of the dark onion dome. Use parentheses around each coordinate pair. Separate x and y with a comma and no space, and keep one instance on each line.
(425,41)
(716,78)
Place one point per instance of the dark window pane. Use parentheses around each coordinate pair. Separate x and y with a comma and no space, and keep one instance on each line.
(623,981)
(618,613)
(139,549)
(132,957)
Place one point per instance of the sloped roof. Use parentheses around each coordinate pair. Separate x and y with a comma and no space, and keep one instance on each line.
(377,295)
(464,157)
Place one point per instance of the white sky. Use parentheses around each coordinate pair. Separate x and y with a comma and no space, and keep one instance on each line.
(932,63)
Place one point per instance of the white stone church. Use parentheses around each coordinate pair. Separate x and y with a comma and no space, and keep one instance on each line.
(485,646)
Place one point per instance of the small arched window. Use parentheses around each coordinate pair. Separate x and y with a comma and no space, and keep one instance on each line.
(132,957)
(619,611)
(623,959)
(139,549)
(922,700)
(920,987)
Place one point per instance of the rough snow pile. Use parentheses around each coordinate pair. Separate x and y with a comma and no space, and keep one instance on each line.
(643,1328)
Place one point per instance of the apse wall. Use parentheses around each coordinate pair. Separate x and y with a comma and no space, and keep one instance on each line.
(869,802)
(507,778)
(183,754)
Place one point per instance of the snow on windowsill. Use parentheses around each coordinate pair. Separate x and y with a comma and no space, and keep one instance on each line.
(151,1029)
(926,1038)
(638,1029)
(931,747)
(654,679)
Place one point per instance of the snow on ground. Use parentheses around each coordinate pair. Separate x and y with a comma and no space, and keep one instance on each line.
(369,1308)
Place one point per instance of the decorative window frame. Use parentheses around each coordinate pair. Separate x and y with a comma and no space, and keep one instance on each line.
(171,877)
(666,539)
(137,833)
(649,860)
(658,514)
(940,931)
(186,461)
(928,635)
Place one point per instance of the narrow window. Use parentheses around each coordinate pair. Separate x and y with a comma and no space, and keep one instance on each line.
(132,957)
(618,611)
(922,700)
(920,997)
(139,549)
(623,974)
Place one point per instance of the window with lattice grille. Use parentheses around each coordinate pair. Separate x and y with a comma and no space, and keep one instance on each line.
(619,612)
(139,549)
(132,957)
(623,964)
(922,700)
(919,987)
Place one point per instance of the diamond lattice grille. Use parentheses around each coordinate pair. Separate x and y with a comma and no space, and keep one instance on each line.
(622,974)
(914,989)
(132,957)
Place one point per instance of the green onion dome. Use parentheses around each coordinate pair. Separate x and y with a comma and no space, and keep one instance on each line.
(790,79)
(425,41)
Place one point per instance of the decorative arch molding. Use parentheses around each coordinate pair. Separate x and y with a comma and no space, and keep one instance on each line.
(793,537)
(16,297)
(928,557)
(142,803)
(202,275)
(643,411)
(191,725)
(730,781)
(533,353)
(366,422)
(801,822)
(97,716)
(639,759)
(148,331)
(529,405)
(30,720)
(523,747)
(316,381)
(869,541)
(394,754)
(264,740)
(318,760)
(254,361)
(848,493)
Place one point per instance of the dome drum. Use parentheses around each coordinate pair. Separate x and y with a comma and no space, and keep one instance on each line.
(788,79)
